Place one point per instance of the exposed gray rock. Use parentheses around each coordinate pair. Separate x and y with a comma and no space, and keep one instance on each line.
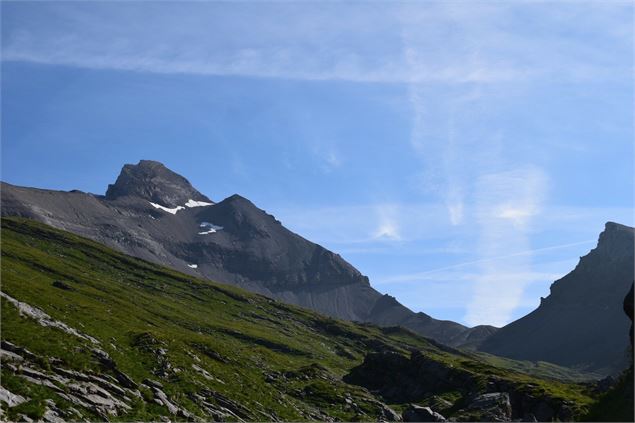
(44,319)
(52,414)
(416,413)
(89,391)
(6,345)
(109,386)
(11,399)
(109,364)
(162,399)
(153,383)
(387,414)
(9,356)
(206,374)
(226,405)
(74,400)
(439,403)
(40,378)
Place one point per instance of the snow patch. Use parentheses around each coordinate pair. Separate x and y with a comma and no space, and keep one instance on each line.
(211,228)
(159,206)
(193,266)
(192,203)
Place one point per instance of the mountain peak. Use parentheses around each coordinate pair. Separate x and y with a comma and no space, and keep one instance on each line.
(616,240)
(612,226)
(154,182)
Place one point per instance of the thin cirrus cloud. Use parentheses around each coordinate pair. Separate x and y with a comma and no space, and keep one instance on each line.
(247,40)
(438,273)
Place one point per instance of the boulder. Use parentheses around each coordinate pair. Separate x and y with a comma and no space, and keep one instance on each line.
(494,406)
(416,413)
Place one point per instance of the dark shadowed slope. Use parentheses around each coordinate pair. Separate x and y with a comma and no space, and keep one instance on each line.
(153,213)
(581,323)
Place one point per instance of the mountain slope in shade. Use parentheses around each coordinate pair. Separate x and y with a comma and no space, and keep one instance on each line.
(581,323)
(153,213)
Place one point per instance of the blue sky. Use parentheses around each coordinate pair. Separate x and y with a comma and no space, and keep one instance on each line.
(463,155)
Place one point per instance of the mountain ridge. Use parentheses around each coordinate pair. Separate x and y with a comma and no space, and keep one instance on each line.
(155,214)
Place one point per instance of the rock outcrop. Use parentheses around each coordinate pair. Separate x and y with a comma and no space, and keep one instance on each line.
(420,379)
(99,393)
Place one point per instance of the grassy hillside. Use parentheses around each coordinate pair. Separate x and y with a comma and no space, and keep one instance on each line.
(161,343)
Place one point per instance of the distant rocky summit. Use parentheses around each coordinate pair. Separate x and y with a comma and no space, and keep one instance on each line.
(155,182)
(581,324)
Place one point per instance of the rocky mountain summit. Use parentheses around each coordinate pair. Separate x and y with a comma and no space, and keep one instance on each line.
(581,323)
(153,213)
(156,183)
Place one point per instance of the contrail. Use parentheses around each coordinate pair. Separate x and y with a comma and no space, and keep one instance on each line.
(467,263)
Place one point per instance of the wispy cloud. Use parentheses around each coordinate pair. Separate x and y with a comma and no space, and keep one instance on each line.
(248,40)
(498,292)
(328,156)
(366,225)
(354,226)
(470,166)
(388,224)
